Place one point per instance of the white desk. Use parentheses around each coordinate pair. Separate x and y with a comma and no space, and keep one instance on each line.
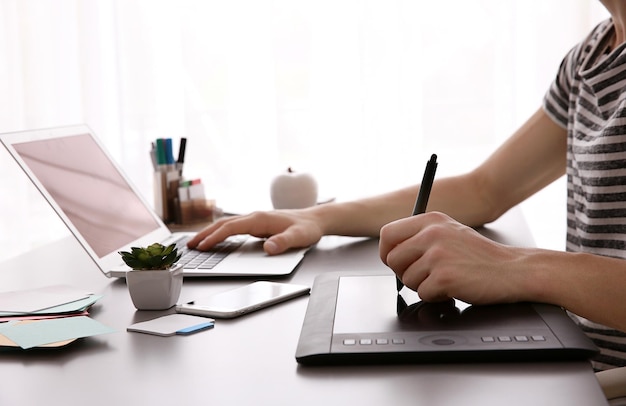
(250,360)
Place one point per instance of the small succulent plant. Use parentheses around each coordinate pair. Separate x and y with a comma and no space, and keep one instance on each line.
(155,256)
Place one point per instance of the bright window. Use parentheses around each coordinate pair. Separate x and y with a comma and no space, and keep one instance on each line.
(357,92)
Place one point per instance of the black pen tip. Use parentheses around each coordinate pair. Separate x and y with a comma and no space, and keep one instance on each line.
(399,284)
(433,157)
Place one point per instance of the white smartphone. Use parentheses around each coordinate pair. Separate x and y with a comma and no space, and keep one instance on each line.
(243,300)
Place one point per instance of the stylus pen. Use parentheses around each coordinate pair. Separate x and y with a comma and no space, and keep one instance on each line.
(423,195)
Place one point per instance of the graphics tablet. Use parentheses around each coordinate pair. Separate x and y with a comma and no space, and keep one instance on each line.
(360,319)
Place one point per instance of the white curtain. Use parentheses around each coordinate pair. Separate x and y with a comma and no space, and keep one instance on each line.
(357,92)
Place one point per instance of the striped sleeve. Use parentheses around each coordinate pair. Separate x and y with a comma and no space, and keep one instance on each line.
(556,101)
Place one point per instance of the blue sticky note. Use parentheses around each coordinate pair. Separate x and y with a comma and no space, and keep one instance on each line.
(196,328)
(40,332)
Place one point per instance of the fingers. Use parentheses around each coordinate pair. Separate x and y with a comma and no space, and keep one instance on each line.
(431,287)
(441,259)
(279,243)
(419,266)
(400,249)
(414,248)
(256,224)
(294,230)
(202,234)
(283,230)
(404,258)
(210,235)
(404,233)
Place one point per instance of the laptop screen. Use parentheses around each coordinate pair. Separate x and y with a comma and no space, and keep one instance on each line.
(89,189)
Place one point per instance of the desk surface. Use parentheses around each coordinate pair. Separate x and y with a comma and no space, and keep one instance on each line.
(250,360)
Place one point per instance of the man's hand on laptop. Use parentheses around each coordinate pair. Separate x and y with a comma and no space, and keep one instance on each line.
(284,229)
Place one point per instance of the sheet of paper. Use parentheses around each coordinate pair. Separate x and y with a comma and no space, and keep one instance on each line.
(32,300)
(40,332)
(5,342)
(36,316)
(171,324)
(72,307)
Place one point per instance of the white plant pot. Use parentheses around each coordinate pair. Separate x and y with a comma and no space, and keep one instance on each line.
(155,289)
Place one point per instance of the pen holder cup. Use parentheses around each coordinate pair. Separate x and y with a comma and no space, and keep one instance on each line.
(196,210)
(176,209)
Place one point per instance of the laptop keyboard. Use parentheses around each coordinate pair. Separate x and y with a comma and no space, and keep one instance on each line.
(194,259)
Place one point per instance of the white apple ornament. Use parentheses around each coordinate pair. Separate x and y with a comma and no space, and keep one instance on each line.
(293,190)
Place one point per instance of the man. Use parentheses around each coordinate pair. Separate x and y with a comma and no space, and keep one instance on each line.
(579,131)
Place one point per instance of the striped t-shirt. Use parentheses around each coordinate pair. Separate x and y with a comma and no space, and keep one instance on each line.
(588,98)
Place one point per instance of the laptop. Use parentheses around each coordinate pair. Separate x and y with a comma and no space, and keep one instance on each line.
(107,214)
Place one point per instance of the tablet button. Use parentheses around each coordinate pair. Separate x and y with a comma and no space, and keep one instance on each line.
(397,341)
(488,339)
(382,341)
(349,341)
(443,341)
(538,338)
(365,341)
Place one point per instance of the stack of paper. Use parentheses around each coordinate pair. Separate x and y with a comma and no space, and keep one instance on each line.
(47,317)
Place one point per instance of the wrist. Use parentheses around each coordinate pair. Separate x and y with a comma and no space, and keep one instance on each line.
(324,216)
(547,276)
(348,219)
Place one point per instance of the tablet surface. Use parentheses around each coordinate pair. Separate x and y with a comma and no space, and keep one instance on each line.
(354,319)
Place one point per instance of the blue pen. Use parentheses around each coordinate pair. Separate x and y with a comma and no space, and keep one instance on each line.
(169,152)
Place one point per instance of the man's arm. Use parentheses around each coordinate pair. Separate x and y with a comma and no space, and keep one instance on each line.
(532,158)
